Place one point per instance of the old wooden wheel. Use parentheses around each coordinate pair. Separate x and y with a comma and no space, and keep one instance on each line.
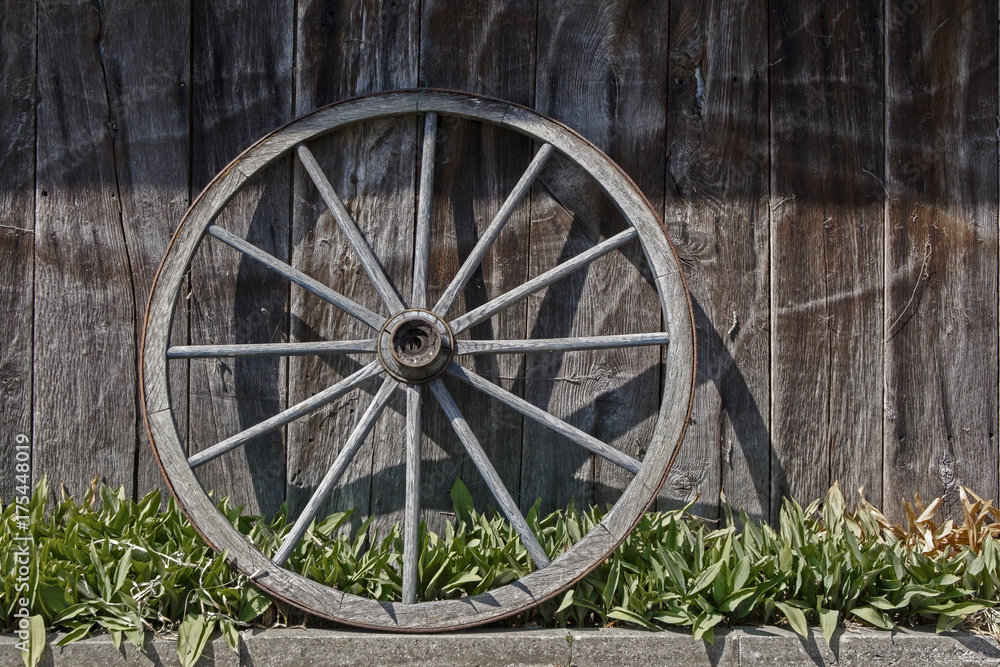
(414,344)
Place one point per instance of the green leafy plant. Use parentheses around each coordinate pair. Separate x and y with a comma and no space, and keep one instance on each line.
(128,568)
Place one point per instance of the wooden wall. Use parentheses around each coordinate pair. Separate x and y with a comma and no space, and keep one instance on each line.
(828,171)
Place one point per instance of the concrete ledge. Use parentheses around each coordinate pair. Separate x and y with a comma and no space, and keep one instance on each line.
(611,647)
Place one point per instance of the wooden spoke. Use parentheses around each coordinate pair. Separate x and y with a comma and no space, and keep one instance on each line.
(372,319)
(271,349)
(560,344)
(422,242)
(491,308)
(493,231)
(351,447)
(291,414)
(350,229)
(544,418)
(411,516)
(489,473)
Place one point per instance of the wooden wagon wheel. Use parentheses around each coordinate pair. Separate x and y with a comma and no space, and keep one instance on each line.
(414,345)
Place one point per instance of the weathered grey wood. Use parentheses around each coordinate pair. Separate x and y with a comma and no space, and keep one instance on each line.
(369,317)
(411,513)
(618,521)
(145,49)
(940,330)
(298,410)
(560,344)
(83,424)
(717,181)
(422,237)
(17,242)
(826,238)
(507,504)
(616,57)
(496,226)
(541,281)
(240,89)
(540,416)
(271,349)
(349,228)
(493,53)
(343,50)
(333,475)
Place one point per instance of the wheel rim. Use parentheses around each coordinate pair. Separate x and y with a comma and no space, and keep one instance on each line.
(418,376)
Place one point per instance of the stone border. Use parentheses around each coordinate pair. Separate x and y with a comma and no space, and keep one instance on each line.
(611,647)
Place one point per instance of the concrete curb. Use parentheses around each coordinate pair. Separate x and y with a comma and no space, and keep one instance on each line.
(610,647)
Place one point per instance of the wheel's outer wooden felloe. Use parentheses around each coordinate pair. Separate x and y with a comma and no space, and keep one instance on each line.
(540,584)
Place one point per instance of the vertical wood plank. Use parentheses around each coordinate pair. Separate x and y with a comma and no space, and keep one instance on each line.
(826,247)
(941,253)
(717,213)
(85,415)
(602,69)
(347,49)
(487,53)
(147,59)
(242,88)
(17,226)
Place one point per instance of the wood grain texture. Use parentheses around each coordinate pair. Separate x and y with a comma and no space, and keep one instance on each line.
(85,353)
(346,49)
(17,226)
(717,213)
(826,248)
(147,69)
(602,71)
(464,47)
(241,90)
(941,253)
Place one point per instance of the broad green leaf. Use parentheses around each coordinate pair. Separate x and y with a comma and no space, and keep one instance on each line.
(795,617)
(705,579)
(461,500)
(741,574)
(192,637)
(623,614)
(36,641)
(873,617)
(730,604)
(78,632)
(704,627)
(946,622)
(231,634)
(254,606)
(567,601)
(122,573)
(828,622)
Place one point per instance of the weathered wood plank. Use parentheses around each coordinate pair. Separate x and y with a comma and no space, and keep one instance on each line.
(601,70)
(146,47)
(346,49)
(940,424)
(241,90)
(716,211)
(84,313)
(490,53)
(17,227)
(826,244)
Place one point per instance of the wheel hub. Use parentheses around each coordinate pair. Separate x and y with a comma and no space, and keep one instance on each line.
(415,346)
